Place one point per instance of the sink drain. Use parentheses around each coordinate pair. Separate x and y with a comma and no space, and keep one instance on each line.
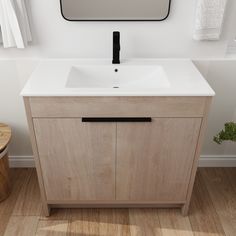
(116,87)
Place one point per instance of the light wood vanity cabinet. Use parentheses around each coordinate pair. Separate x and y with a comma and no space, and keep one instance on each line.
(154,159)
(77,159)
(116,163)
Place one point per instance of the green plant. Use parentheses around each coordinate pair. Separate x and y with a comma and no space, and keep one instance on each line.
(229,133)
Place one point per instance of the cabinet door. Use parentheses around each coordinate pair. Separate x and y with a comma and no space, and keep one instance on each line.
(154,160)
(77,159)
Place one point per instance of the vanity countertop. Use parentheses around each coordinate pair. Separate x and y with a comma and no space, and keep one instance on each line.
(51,76)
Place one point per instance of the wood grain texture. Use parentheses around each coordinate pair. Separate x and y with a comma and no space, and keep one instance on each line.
(223,197)
(85,222)
(5,136)
(19,178)
(172,223)
(185,207)
(46,208)
(116,222)
(231,173)
(22,226)
(202,213)
(52,228)
(5,183)
(57,214)
(144,222)
(89,163)
(78,159)
(28,202)
(205,217)
(154,159)
(124,106)
(99,222)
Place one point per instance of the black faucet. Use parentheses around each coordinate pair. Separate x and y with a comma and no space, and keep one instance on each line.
(116,47)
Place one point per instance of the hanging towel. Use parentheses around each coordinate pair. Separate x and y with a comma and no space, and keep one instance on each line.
(209,19)
(14,24)
(23,20)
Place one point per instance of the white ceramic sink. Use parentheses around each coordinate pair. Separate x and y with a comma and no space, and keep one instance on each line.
(98,77)
(117,76)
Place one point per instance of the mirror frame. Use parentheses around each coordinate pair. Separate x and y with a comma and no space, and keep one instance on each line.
(73,20)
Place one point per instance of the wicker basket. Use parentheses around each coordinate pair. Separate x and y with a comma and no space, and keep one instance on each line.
(4,175)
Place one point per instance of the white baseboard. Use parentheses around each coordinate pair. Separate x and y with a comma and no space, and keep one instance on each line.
(217,161)
(205,161)
(21,161)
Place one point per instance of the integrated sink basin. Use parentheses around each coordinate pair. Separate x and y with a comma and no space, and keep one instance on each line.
(110,76)
(134,77)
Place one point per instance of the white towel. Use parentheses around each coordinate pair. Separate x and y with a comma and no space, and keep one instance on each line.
(209,19)
(14,24)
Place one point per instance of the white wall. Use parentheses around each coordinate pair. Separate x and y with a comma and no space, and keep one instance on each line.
(55,37)
(221,74)
(13,75)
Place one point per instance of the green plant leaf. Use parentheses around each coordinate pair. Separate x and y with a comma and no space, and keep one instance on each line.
(228,134)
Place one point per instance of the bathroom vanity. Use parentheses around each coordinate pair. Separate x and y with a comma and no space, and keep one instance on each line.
(125,135)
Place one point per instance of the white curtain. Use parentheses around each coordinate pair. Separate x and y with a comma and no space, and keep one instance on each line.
(14,23)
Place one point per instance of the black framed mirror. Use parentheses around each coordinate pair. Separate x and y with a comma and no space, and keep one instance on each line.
(115,10)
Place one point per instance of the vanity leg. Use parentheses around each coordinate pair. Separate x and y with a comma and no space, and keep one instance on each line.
(184,209)
(46,207)
(46,210)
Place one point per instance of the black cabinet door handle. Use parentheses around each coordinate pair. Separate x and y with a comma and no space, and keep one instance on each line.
(116,119)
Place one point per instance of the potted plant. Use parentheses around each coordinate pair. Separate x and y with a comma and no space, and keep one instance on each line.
(228,134)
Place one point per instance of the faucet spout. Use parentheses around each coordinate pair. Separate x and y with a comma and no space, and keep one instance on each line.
(116,47)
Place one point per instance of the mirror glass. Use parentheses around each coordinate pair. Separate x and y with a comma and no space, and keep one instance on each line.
(117,10)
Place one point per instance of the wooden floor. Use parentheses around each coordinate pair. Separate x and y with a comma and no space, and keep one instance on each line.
(212,212)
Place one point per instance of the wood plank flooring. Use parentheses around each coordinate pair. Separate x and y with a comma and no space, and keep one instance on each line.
(212,212)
